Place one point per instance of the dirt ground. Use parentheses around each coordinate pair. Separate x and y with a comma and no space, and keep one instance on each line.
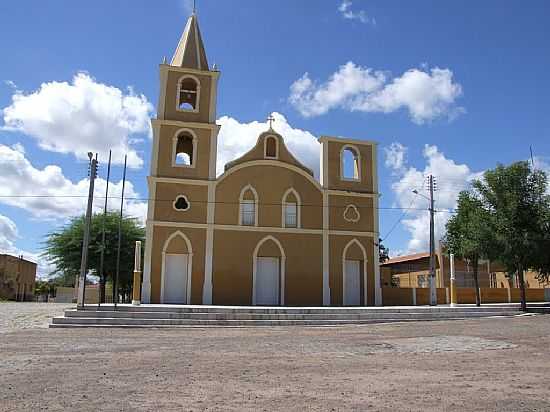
(496,364)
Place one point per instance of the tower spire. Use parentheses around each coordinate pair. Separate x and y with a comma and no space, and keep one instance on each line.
(190,52)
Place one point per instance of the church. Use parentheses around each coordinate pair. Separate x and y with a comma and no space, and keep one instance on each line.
(265,232)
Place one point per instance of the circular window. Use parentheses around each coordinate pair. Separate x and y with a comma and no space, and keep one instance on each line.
(181,203)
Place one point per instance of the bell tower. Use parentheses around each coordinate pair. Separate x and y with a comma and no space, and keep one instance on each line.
(185,133)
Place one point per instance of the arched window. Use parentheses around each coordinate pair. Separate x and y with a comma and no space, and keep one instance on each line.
(188,94)
(350,163)
(271,146)
(248,202)
(291,209)
(184,150)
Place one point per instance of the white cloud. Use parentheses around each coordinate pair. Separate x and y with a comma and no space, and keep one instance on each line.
(237,138)
(347,13)
(47,194)
(80,117)
(8,234)
(451,179)
(426,95)
(395,156)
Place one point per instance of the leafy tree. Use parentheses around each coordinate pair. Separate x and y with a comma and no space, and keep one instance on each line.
(469,234)
(384,252)
(517,200)
(63,248)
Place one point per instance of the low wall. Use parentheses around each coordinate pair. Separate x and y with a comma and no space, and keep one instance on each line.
(397,296)
(421,296)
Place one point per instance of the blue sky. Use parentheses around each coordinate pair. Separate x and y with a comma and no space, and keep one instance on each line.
(449,88)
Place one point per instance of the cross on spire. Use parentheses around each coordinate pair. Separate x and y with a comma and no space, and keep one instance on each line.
(194,6)
(270,119)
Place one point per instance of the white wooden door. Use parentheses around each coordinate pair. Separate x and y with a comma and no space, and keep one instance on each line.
(267,281)
(352,287)
(175,279)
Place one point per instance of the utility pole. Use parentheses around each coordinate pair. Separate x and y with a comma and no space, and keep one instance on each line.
(102,277)
(433,290)
(86,240)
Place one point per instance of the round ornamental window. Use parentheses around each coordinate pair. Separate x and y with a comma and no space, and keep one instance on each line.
(351,214)
(181,203)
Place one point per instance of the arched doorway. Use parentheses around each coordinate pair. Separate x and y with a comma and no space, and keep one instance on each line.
(177,259)
(354,274)
(268,273)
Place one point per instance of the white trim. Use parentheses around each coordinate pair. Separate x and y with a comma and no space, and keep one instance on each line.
(266,162)
(186,200)
(181,123)
(155,149)
(345,140)
(189,264)
(324,167)
(209,251)
(213,154)
(365,294)
(267,229)
(213,99)
(146,286)
(326,251)
(197,105)
(276,147)
(169,67)
(241,201)
(376,215)
(197,48)
(348,207)
(193,159)
(356,159)
(298,208)
(177,180)
(281,269)
(348,193)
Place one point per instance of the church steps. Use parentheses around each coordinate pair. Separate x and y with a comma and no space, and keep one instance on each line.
(418,315)
(203,316)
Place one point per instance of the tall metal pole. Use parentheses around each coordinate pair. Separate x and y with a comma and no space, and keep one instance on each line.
(102,277)
(453,280)
(115,289)
(86,240)
(433,290)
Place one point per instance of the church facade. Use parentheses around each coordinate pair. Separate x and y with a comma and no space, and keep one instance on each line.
(265,232)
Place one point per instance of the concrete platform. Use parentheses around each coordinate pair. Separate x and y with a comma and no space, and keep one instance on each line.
(153,316)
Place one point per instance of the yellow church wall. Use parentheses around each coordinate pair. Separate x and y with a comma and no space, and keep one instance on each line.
(233,266)
(270,182)
(197,237)
(366,163)
(170,110)
(167,132)
(338,205)
(166,194)
(337,243)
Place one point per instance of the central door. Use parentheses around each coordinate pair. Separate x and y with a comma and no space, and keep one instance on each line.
(175,279)
(352,294)
(267,281)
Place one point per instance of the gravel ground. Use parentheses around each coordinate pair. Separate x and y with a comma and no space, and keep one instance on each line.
(497,364)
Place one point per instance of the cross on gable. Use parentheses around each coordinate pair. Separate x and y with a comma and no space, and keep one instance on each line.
(270,119)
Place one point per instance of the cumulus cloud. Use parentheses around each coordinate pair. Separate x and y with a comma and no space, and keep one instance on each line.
(426,94)
(47,194)
(236,138)
(345,9)
(395,156)
(451,179)
(8,234)
(80,117)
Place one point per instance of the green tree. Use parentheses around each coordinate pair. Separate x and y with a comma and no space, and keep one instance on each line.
(384,252)
(469,235)
(63,249)
(519,205)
